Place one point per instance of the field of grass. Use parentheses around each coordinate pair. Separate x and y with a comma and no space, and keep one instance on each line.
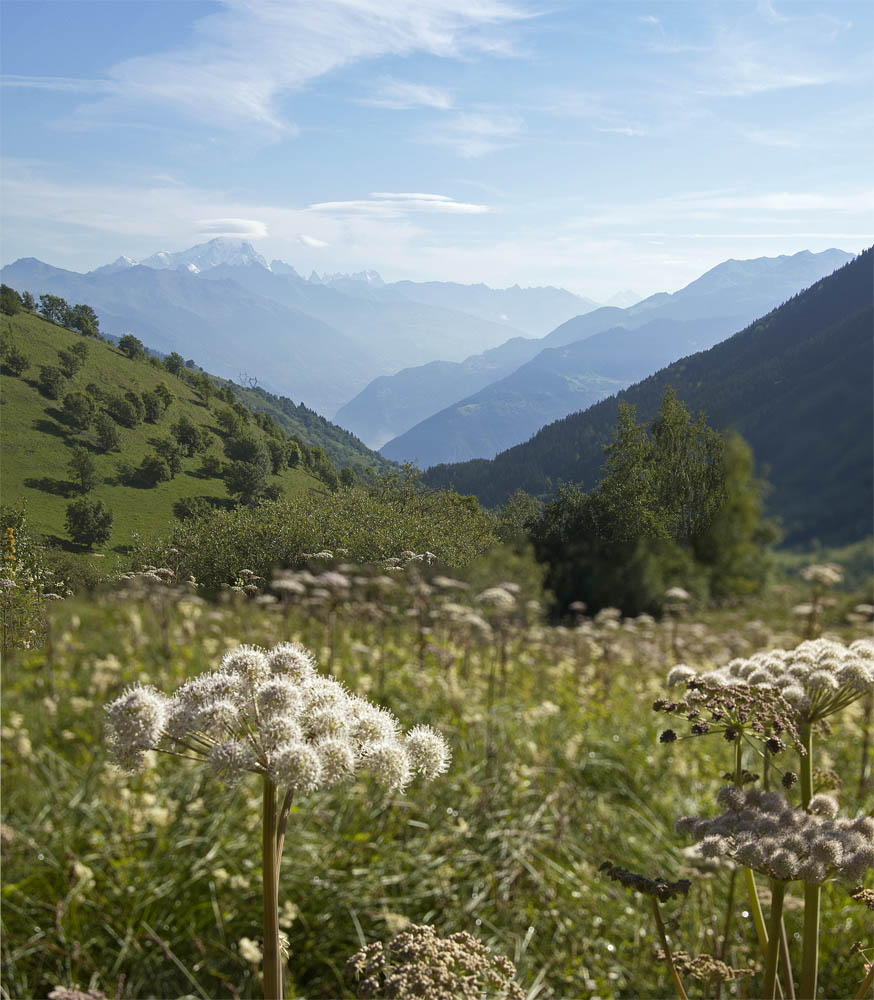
(36,442)
(146,886)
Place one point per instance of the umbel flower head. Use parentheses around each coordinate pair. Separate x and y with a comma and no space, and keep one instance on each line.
(270,712)
(418,963)
(762,831)
(817,678)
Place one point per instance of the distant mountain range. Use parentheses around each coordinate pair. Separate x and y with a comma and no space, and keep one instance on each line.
(320,339)
(797,384)
(491,401)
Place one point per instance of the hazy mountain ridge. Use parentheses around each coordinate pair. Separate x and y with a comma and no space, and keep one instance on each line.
(743,289)
(557,381)
(310,339)
(796,383)
(225,327)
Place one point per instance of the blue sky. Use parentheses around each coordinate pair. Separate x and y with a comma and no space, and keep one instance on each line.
(598,146)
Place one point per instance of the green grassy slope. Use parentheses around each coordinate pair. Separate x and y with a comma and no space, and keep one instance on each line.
(36,443)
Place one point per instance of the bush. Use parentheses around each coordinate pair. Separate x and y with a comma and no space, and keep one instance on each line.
(88,522)
(51,381)
(211,467)
(131,346)
(191,507)
(108,436)
(153,470)
(170,452)
(245,480)
(83,468)
(73,358)
(78,410)
(127,410)
(10,301)
(371,524)
(12,360)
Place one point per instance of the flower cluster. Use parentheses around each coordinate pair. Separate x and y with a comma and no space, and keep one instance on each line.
(661,888)
(762,831)
(759,712)
(270,712)
(418,963)
(705,968)
(817,678)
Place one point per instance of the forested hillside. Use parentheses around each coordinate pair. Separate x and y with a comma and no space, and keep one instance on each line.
(91,423)
(797,384)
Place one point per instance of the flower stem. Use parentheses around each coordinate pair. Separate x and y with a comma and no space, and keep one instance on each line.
(867,984)
(749,878)
(270,884)
(810,951)
(669,958)
(778,890)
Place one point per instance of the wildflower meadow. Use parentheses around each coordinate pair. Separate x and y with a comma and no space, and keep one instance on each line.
(386,780)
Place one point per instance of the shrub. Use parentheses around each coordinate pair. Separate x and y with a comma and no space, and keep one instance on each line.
(51,381)
(12,360)
(131,346)
(73,358)
(153,470)
(78,410)
(127,410)
(88,522)
(108,437)
(10,301)
(83,468)
(374,523)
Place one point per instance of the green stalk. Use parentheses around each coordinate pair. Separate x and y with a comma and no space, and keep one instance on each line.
(270,888)
(669,958)
(812,893)
(756,909)
(778,890)
(866,985)
(749,878)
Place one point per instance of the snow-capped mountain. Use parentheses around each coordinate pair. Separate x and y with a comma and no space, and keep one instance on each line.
(119,264)
(221,250)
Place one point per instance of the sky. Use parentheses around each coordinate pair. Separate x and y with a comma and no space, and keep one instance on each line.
(598,146)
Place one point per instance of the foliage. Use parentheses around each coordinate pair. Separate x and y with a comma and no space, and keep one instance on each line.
(10,301)
(13,361)
(83,467)
(192,438)
(245,480)
(51,381)
(106,430)
(126,409)
(73,358)
(79,410)
(131,346)
(670,510)
(374,523)
(88,522)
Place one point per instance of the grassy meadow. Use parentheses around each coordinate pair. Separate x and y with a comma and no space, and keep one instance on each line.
(149,886)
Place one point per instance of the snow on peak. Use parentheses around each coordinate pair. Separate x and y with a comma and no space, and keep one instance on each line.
(119,264)
(233,251)
(366,277)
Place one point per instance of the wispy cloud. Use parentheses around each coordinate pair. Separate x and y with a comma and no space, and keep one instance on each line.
(250,53)
(396,205)
(311,241)
(473,134)
(233,227)
(61,84)
(402,96)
